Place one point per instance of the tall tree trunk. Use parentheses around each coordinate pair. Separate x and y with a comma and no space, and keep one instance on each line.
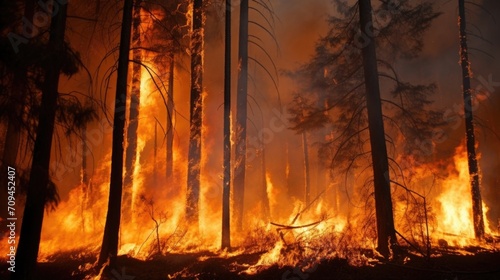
(383,201)
(170,119)
(13,133)
(194,156)
(133,121)
(226,197)
(307,175)
(29,239)
(477,207)
(241,117)
(109,248)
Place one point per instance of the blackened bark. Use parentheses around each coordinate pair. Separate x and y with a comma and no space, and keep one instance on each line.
(194,156)
(383,201)
(477,207)
(109,248)
(226,197)
(29,239)
(241,117)
(133,119)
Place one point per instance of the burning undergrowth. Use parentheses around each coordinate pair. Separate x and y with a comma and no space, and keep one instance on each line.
(295,235)
(295,221)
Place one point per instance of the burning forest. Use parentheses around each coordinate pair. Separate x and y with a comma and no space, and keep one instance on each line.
(249,139)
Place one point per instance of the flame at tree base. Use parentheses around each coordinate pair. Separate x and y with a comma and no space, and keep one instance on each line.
(298,234)
(454,215)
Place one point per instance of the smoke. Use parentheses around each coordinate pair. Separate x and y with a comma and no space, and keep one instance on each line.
(297,27)
(438,63)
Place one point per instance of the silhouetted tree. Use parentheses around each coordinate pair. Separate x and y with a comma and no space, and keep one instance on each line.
(381,181)
(264,22)
(241,117)
(15,100)
(164,44)
(174,30)
(22,81)
(109,248)
(226,194)
(133,116)
(477,207)
(38,185)
(340,91)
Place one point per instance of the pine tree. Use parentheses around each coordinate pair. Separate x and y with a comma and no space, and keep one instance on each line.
(38,185)
(339,91)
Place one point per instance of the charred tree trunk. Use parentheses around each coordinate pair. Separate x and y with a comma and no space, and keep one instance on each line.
(170,119)
(133,119)
(477,207)
(29,240)
(226,197)
(383,201)
(194,156)
(109,248)
(241,117)
(307,175)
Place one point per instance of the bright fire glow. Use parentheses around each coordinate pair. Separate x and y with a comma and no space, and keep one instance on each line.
(454,219)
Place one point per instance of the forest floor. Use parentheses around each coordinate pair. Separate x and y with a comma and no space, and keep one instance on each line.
(470,263)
